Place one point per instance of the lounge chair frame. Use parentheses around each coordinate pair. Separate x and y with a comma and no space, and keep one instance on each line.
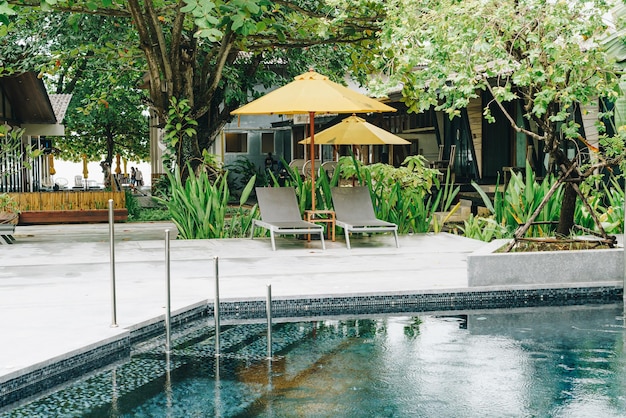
(280,215)
(7,229)
(355,213)
(6,233)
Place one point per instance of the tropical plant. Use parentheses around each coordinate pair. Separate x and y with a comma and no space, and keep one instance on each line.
(161,187)
(9,209)
(519,200)
(484,229)
(514,206)
(608,202)
(199,207)
(240,220)
(132,205)
(153,215)
(137,213)
(404,195)
(242,170)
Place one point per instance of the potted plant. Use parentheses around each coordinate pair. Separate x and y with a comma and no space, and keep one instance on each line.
(9,210)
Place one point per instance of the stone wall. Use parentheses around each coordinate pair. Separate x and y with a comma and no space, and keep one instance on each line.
(487,268)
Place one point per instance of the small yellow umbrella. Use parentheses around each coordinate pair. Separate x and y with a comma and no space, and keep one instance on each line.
(85,171)
(354,130)
(312,93)
(125,161)
(118,169)
(51,165)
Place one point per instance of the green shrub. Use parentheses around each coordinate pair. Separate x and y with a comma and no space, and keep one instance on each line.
(520,199)
(484,229)
(132,205)
(522,196)
(241,171)
(408,196)
(153,215)
(608,203)
(199,207)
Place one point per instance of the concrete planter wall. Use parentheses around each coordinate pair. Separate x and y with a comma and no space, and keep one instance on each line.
(487,268)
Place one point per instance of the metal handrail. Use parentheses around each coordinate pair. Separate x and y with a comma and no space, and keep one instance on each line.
(216,308)
(112,260)
(168,307)
(268,310)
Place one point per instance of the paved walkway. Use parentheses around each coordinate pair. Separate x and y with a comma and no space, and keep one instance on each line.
(56,290)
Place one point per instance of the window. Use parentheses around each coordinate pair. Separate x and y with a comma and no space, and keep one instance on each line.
(237,142)
(267,142)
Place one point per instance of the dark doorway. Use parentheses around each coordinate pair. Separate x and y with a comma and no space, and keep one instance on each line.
(457,132)
(496,140)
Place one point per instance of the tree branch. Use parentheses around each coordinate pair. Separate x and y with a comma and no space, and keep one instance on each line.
(216,75)
(506,114)
(106,11)
(269,42)
(146,45)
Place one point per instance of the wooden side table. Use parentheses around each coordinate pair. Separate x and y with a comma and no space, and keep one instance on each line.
(313,216)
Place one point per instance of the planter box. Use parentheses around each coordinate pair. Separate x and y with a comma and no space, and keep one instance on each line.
(42,217)
(487,268)
(68,200)
(8,218)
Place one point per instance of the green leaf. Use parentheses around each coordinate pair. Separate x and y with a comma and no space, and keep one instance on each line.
(252,7)
(237,22)
(191,5)
(6,9)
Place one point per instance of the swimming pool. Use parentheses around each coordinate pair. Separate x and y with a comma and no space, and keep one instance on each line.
(557,362)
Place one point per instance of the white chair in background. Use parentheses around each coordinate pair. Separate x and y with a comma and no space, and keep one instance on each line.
(79,182)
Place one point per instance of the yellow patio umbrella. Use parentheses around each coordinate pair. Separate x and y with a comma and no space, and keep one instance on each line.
(118,169)
(354,130)
(51,169)
(85,171)
(312,93)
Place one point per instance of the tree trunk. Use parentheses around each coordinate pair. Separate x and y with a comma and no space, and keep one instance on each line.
(568,206)
(110,147)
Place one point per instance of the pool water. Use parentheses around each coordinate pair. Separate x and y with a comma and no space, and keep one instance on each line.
(561,362)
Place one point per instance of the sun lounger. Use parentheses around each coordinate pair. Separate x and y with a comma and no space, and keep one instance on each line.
(355,213)
(7,227)
(280,214)
(6,233)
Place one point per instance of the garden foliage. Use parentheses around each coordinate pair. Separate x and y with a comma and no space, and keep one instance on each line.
(523,194)
(409,195)
(200,207)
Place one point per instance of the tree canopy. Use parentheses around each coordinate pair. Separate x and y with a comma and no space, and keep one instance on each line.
(75,54)
(215,54)
(546,54)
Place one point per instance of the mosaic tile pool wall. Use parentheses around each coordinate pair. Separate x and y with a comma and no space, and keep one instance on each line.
(35,381)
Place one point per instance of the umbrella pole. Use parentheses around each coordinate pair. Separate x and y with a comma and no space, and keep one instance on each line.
(312,157)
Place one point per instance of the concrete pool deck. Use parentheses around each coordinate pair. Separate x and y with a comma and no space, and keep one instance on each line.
(55,282)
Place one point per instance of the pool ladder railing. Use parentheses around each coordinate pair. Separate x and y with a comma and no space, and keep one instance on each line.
(168,307)
(216,314)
